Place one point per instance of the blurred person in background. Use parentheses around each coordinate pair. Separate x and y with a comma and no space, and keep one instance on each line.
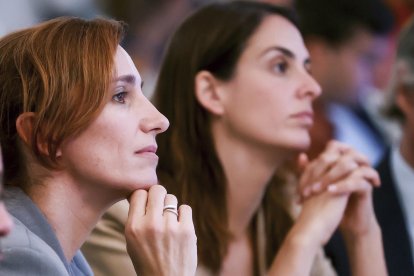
(393,202)
(346,40)
(19,14)
(150,25)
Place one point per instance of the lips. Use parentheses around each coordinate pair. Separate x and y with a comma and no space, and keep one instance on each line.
(148,149)
(305,118)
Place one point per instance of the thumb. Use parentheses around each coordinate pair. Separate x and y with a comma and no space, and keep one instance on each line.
(302,161)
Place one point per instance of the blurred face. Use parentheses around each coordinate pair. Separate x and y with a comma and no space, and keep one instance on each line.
(5,220)
(268,101)
(118,149)
(351,67)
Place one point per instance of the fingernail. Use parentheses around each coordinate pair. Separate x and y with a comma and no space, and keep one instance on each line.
(316,187)
(306,192)
(332,188)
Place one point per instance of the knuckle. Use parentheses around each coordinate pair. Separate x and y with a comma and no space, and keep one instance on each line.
(351,165)
(333,144)
(133,230)
(171,198)
(325,158)
(141,192)
(154,231)
(188,233)
(158,189)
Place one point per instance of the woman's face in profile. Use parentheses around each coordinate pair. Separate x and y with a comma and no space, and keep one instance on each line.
(118,149)
(269,100)
(5,221)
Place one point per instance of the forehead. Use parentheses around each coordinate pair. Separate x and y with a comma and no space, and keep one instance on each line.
(276,30)
(124,64)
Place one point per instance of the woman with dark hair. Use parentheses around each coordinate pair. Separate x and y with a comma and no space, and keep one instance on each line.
(236,86)
(78,135)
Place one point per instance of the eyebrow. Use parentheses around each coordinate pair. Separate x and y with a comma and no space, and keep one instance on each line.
(285,52)
(129,79)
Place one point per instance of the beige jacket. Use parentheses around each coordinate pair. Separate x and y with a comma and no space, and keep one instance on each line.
(106,252)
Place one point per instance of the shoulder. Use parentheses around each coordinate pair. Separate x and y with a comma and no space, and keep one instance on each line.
(24,253)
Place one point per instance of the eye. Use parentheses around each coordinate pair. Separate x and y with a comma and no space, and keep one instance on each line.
(308,68)
(120,97)
(280,67)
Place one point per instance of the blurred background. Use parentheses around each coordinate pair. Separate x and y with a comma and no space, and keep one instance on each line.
(150,23)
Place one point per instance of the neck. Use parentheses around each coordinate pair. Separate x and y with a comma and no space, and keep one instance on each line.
(248,169)
(407,146)
(68,207)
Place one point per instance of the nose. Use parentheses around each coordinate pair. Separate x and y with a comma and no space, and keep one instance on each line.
(153,120)
(310,87)
(6,223)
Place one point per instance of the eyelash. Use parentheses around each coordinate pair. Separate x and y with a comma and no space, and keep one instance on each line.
(280,67)
(120,94)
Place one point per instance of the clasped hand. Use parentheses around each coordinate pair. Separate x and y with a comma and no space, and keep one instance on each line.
(336,188)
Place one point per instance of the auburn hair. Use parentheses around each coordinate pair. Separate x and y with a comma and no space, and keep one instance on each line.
(60,70)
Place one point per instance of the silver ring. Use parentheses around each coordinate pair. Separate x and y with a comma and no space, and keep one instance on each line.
(172,211)
(171,208)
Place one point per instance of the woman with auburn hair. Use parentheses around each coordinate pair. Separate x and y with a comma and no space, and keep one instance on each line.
(236,86)
(77,136)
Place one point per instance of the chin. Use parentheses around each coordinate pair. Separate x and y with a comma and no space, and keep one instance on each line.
(142,182)
(300,145)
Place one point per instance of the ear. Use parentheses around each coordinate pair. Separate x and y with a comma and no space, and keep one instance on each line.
(207,89)
(24,127)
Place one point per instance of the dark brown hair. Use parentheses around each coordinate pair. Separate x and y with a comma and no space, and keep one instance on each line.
(60,70)
(212,39)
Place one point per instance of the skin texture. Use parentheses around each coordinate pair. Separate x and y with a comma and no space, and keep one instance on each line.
(113,151)
(115,158)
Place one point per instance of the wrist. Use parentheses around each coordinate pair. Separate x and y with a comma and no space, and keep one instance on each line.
(372,231)
(304,235)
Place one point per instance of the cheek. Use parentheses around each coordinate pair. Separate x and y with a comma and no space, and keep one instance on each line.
(100,143)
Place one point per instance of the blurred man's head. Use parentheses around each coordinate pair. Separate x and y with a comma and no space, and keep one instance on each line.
(402,83)
(346,40)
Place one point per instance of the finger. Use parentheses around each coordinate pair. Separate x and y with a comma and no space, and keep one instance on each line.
(303,161)
(317,168)
(309,191)
(136,211)
(339,146)
(360,158)
(137,203)
(156,196)
(349,186)
(170,214)
(185,215)
(342,168)
(371,175)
